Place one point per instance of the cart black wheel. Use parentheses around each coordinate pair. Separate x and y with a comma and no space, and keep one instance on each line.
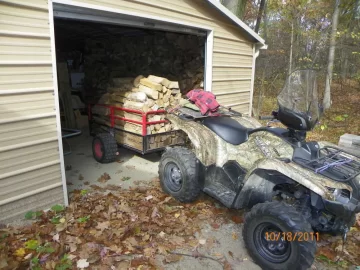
(104,148)
(278,237)
(178,174)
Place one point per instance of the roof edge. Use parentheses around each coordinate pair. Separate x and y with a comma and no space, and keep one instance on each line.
(236,20)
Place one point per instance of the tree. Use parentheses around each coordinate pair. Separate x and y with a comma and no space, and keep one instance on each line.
(335,19)
(258,19)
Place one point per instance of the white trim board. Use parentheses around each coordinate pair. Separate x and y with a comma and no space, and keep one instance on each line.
(56,100)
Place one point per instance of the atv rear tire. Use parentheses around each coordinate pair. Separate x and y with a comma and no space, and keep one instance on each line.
(105,148)
(268,220)
(178,174)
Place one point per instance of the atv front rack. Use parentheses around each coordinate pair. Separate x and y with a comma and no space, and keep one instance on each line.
(333,163)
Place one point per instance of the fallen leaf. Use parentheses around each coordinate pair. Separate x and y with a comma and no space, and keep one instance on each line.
(31,244)
(167,199)
(237,219)
(82,263)
(215,226)
(148,197)
(62,220)
(125,178)
(3,263)
(163,249)
(231,254)
(234,235)
(202,241)
(177,215)
(27,257)
(339,248)
(103,225)
(227,265)
(104,178)
(71,257)
(81,177)
(56,238)
(19,252)
(327,252)
(161,234)
(155,213)
(170,258)
(176,240)
(87,183)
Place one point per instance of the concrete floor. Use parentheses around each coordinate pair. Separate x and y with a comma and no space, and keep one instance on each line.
(83,170)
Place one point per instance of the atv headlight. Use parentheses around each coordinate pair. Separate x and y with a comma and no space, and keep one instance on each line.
(341,195)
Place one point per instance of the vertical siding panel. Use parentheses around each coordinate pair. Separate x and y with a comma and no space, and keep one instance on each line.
(30,175)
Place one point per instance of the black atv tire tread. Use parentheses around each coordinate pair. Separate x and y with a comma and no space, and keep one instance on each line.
(110,147)
(190,190)
(293,220)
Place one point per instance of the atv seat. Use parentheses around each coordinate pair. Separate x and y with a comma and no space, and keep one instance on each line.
(227,129)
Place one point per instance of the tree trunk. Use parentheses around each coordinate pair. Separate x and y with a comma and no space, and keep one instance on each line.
(327,94)
(265,22)
(259,15)
(291,48)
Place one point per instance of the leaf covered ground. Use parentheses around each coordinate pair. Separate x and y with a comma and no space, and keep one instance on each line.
(136,228)
(112,228)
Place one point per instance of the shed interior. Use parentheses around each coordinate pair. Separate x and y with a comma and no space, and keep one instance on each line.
(90,55)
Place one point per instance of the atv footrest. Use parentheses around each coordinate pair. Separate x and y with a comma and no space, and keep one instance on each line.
(220,192)
(333,163)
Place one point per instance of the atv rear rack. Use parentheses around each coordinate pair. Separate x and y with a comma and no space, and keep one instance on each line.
(333,163)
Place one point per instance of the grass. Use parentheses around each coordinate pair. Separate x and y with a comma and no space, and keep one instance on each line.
(342,117)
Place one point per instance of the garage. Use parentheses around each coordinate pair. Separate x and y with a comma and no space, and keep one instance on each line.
(195,44)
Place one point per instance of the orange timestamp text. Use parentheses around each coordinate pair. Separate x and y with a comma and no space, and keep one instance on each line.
(292,236)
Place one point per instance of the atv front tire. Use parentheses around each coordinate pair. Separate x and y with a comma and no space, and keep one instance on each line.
(178,174)
(278,237)
(105,148)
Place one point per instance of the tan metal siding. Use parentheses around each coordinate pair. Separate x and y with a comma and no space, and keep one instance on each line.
(30,176)
(232,53)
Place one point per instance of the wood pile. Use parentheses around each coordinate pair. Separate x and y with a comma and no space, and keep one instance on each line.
(177,57)
(142,94)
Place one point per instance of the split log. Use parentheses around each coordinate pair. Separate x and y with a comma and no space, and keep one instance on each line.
(165,82)
(149,92)
(151,84)
(136,106)
(160,103)
(174,85)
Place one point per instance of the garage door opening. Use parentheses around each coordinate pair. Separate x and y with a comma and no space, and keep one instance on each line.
(91,57)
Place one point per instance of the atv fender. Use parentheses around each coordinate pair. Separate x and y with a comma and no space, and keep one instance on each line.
(206,155)
(259,183)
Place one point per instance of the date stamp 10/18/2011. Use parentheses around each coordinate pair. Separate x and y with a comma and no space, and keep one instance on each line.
(292,236)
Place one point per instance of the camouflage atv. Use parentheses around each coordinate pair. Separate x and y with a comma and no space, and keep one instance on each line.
(293,188)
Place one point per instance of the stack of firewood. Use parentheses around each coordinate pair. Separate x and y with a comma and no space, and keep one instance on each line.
(142,94)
